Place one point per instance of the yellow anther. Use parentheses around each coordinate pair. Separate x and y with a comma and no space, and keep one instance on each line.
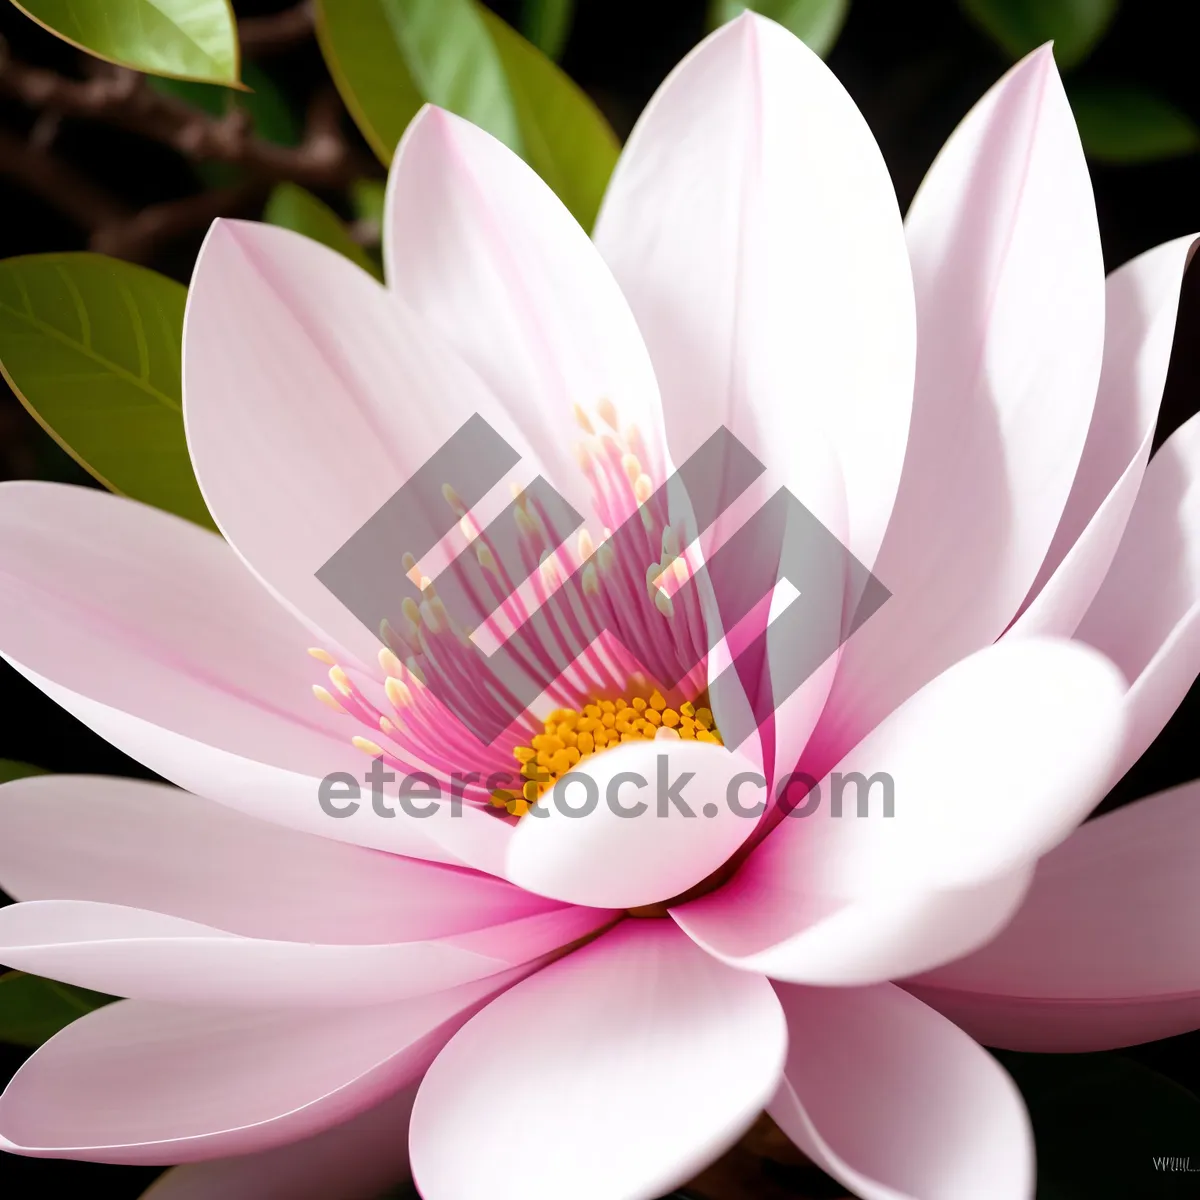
(670,718)
(525,523)
(501,798)
(702,735)
(664,604)
(583,456)
(704,717)
(408,606)
(366,746)
(585,545)
(454,500)
(530,791)
(643,489)
(608,411)
(322,656)
(582,420)
(390,664)
(524,754)
(591,580)
(653,717)
(386,727)
(657,702)
(487,559)
(326,698)
(340,680)
(687,709)
(631,467)
(638,704)
(586,744)
(398,693)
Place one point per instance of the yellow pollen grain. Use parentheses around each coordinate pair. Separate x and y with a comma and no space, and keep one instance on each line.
(569,736)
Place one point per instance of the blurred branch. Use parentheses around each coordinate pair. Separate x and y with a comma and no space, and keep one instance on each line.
(278,32)
(324,159)
(138,236)
(120,97)
(72,193)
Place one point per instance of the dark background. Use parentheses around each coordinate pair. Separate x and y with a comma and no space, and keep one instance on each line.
(913,68)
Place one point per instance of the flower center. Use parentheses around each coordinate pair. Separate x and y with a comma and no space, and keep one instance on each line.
(570,735)
(636,593)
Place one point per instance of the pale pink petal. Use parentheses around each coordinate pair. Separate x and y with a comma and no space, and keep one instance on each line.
(659,825)
(478,245)
(621,1070)
(357,1160)
(1102,952)
(153,633)
(136,1082)
(1146,617)
(761,250)
(144,845)
(769,924)
(897,1103)
(1009,281)
(151,956)
(311,395)
(1142,302)
(990,765)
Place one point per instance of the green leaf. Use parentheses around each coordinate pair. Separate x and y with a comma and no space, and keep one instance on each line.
(367,196)
(547,24)
(388,57)
(33,1010)
(1080,1103)
(91,346)
(1075,26)
(293,208)
(10,769)
(817,23)
(186,39)
(1125,124)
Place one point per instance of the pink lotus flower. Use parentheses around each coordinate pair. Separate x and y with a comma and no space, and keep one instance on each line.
(292,978)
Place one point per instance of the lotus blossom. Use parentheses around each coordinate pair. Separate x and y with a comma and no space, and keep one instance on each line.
(600,1007)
